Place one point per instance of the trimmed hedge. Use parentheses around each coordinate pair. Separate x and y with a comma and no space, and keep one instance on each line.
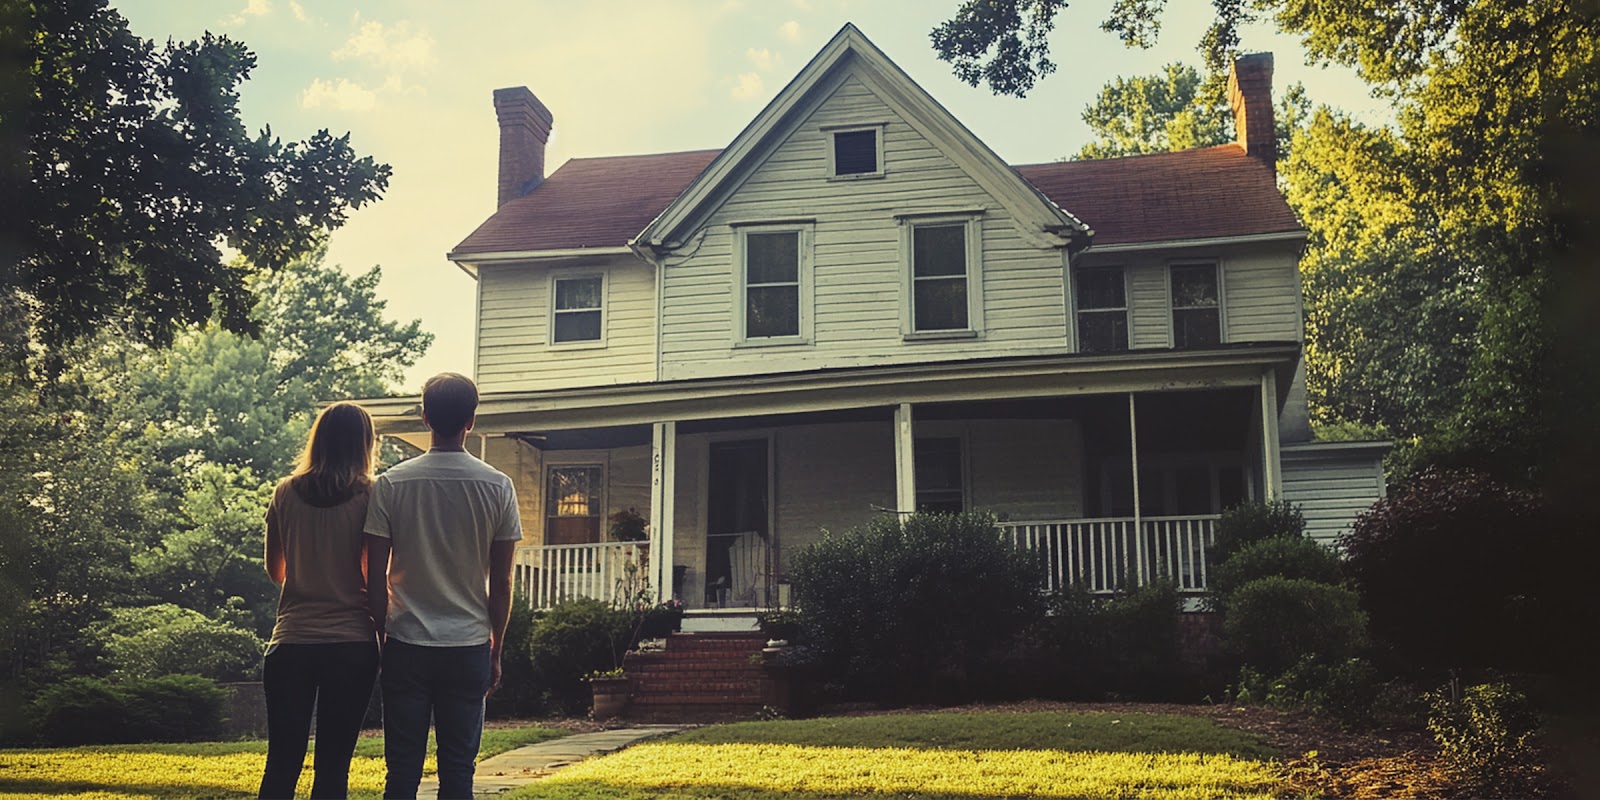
(570,641)
(1254,522)
(174,708)
(1274,622)
(1284,556)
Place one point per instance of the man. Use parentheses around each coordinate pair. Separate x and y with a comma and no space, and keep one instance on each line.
(446,525)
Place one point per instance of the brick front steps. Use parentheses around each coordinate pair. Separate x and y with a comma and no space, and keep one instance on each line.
(699,677)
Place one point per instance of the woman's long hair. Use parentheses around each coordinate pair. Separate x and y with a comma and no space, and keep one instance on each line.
(339,456)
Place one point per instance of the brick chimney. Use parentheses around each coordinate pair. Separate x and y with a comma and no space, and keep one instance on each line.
(524,130)
(1250,95)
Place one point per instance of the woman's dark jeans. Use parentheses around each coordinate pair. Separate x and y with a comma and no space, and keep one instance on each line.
(335,679)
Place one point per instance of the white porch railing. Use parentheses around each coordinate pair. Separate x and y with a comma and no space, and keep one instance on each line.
(1105,554)
(557,572)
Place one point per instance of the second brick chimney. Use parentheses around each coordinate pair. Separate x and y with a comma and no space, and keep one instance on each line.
(1250,95)
(524,130)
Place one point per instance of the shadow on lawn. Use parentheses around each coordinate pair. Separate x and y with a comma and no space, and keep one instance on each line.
(612,790)
(109,785)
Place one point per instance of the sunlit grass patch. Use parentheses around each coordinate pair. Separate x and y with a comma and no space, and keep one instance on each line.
(759,771)
(951,755)
(198,770)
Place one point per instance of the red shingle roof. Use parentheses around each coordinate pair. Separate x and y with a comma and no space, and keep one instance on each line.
(1191,194)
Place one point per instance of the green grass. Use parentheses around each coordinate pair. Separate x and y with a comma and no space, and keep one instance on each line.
(197,770)
(952,756)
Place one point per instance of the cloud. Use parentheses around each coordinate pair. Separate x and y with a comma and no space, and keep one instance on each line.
(747,86)
(763,59)
(396,48)
(298,10)
(342,95)
(790,30)
(252,9)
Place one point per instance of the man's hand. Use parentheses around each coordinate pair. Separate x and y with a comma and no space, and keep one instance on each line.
(494,674)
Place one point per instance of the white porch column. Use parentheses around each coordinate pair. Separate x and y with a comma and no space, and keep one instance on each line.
(1138,522)
(1271,460)
(905,472)
(663,464)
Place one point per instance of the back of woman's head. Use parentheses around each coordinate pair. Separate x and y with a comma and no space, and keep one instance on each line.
(339,456)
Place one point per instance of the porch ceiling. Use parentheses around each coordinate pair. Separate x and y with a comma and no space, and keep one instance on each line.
(836,389)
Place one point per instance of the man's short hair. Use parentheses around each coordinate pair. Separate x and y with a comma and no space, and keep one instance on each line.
(449,400)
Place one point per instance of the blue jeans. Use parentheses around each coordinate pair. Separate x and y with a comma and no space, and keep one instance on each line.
(336,679)
(448,684)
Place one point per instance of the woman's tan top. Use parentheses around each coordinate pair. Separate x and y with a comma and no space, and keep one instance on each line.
(324,597)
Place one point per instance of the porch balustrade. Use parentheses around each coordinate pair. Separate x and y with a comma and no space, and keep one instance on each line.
(1104,555)
(555,573)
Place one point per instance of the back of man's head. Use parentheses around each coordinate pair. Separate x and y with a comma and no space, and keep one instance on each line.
(449,401)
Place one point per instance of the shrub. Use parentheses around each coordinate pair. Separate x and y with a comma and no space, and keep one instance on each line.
(570,641)
(151,641)
(518,695)
(1274,622)
(1457,570)
(1284,556)
(1125,646)
(1346,691)
(915,609)
(174,708)
(658,621)
(1253,522)
(1489,739)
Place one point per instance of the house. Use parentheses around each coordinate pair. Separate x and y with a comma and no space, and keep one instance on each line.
(857,308)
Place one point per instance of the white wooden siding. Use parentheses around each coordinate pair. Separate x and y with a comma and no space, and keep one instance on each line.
(1331,487)
(1149,306)
(1261,297)
(524,465)
(858,266)
(514,328)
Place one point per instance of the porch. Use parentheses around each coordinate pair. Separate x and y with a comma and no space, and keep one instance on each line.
(1101,555)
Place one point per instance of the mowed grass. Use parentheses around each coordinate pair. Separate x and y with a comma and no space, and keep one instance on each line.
(199,770)
(941,755)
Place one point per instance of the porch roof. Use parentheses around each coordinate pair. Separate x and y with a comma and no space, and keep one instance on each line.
(859,387)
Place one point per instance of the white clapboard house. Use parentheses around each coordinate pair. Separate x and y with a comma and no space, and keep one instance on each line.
(856,308)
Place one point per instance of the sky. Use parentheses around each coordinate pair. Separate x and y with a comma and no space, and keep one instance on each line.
(411,82)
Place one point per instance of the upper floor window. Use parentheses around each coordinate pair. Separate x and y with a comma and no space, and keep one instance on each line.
(937,463)
(577,309)
(1102,310)
(855,152)
(944,282)
(772,274)
(1196,305)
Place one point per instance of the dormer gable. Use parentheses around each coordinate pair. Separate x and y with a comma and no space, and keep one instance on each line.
(855,151)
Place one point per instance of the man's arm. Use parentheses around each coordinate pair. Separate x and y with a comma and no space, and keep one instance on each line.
(377,548)
(501,553)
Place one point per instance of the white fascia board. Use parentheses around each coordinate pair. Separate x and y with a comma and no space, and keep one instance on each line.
(1314,449)
(1217,241)
(1050,376)
(470,262)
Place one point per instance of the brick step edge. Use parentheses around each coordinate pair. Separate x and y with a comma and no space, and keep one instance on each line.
(673,687)
(698,699)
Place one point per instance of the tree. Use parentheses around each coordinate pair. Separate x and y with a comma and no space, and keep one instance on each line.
(1156,114)
(134,166)
(1021,51)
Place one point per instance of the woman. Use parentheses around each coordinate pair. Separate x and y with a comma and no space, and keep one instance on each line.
(324,651)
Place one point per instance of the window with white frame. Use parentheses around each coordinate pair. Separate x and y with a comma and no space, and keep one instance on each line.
(1102,300)
(772,272)
(577,311)
(1196,305)
(573,503)
(855,152)
(942,274)
(938,465)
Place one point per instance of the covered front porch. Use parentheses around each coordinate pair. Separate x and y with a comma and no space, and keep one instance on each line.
(738,483)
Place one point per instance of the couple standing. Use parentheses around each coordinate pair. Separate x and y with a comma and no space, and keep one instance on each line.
(413,569)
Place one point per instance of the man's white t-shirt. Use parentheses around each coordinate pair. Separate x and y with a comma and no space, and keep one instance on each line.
(440,512)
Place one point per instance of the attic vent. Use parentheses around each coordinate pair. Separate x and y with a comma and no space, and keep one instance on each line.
(856,152)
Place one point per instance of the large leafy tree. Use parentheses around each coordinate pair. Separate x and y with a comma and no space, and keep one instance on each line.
(1156,114)
(127,167)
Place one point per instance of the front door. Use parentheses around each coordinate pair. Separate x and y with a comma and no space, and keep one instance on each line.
(739,548)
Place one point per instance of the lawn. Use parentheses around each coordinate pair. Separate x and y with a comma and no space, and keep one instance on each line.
(941,755)
(192,771)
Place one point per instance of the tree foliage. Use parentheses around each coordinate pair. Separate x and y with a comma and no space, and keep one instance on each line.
(134,167)
(1000,42)
(1156,114)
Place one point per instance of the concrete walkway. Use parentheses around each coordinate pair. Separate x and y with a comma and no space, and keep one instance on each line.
(521,766)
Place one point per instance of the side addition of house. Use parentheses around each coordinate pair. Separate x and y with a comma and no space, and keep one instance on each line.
(857,308)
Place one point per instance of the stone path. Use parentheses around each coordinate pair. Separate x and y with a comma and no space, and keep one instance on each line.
(521,766)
